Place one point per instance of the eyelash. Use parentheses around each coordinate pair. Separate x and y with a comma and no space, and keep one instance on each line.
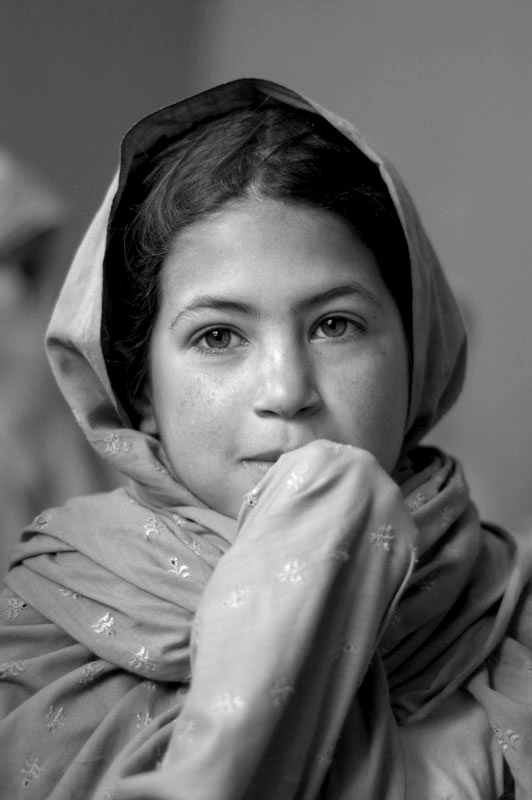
(216,351)
(359,327)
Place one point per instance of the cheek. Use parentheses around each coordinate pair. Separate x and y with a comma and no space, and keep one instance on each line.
(199,434)
(197,415)
(372,407)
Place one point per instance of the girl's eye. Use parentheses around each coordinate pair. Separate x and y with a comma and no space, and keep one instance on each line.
(335,328)
(218,339)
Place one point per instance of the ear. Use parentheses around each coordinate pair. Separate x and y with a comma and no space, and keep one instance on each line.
(148,423)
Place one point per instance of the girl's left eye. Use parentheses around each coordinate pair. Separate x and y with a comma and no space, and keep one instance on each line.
(335,327)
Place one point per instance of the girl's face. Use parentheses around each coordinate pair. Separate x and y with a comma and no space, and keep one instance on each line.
(275,328)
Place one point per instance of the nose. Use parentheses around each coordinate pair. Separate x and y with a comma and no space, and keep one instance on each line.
(286,384)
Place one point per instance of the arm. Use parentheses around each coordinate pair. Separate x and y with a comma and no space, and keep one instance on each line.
(285,633)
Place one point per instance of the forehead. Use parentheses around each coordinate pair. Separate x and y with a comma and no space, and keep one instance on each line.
(268,250)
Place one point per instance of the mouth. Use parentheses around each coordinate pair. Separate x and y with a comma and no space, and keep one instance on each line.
(261,466)
(265,460)
(266,455)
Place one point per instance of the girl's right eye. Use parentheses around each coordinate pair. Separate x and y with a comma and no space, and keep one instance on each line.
(216,340)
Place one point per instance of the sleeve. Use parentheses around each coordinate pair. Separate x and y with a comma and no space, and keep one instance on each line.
(285,640)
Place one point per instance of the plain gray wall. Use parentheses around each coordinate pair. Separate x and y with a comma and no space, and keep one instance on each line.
(443,87)
(76,74)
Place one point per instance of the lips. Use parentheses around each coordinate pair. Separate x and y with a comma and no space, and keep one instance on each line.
(261,461)
(265,459)
(269,455)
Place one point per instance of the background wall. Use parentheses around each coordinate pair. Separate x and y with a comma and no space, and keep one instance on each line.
(443,88)
(74,76)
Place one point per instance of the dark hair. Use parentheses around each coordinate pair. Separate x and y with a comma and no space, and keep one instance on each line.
(271,151)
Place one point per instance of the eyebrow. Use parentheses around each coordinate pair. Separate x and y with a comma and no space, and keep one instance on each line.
(220,303)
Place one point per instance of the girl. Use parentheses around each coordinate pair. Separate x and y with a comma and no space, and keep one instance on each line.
(292,598)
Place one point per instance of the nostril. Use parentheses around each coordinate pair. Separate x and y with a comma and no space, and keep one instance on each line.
(288,404)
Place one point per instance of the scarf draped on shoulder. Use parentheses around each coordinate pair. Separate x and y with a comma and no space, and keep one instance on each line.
(154,648)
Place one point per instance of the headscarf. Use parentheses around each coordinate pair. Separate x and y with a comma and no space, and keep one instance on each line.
(74,344)
(116,583)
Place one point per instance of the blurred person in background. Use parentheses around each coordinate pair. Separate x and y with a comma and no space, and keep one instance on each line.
(44,459)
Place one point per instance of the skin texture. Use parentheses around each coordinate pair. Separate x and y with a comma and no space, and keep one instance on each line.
(233,386)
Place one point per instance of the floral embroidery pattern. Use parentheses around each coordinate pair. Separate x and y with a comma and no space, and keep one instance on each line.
(292,572)
(89,672)
(383,537)
(193,545)
(179,520)
(143,719)
(325,758)
(426,583)
(252,497)
(31,771)
(55,717)
(447,516)
(141,660)
(459,482)
(416,502)
(346,649)
(281,692)
(228,704)
(186,728)
(237,597)
(506,738)
(12,607)
(69,593)
(177,568)
(395,621)
(42,521)
(11,669)
(105,625)
(153,527)
(115,444)
(297,478)
(339,555)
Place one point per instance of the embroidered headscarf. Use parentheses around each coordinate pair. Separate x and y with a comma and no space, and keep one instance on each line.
(408,593)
